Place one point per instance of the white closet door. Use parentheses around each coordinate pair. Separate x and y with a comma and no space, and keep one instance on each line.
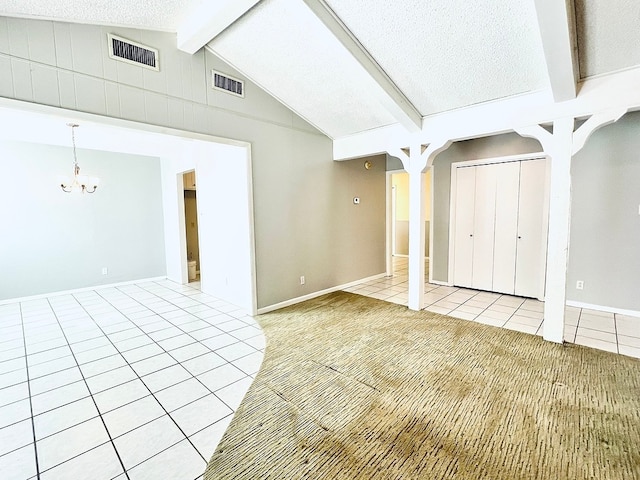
(463,236)
(530,248)
(506,225)
(484,226)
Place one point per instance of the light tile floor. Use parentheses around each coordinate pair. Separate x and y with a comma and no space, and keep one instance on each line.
(603,330)
(134,382)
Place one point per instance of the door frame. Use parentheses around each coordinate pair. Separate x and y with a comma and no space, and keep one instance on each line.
(211,281)
(183,225)
(390,217)
(489,161)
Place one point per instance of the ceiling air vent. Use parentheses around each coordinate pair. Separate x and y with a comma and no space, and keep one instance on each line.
(227,84)
(131,52)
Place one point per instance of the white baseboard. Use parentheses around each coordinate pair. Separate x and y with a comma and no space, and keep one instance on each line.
(438,282)
(402,255)
(602,308)
(79,290)
(309,296)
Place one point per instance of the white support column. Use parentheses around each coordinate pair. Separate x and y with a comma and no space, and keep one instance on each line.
(559,228)
(415,164)
(416,229)
(559,146)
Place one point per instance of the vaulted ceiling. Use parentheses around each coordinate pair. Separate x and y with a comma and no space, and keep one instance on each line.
(349,66)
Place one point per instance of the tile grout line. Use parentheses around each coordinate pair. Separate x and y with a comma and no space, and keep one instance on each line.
(200,342)
(90,394)
(143,334)
(33,423)
(474,319)
(150,394)
(178,362)
(487,308)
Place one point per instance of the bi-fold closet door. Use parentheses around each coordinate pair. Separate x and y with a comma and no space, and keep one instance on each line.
(500,227)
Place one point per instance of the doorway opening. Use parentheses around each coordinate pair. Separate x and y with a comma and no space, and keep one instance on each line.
(226,243)
(224,212)
(398,221)
(191,226)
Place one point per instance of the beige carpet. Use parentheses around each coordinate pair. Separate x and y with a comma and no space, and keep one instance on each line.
(356,388)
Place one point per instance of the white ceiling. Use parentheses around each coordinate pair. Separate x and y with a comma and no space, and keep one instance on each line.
(348,66)
(446,54)
(302,64)
(608,35)
(165,15)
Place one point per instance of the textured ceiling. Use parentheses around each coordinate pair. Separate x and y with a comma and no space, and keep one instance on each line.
(608,35)
(287,50)
(163,15)
(445,54)
(438,55)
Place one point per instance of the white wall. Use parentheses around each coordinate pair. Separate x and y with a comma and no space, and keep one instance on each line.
(54,241)
(604,250)
(224,220)
(305,222)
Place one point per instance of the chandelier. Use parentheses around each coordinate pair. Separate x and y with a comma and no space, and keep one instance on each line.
(80,183)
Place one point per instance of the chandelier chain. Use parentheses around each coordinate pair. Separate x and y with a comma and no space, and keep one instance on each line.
(73,142)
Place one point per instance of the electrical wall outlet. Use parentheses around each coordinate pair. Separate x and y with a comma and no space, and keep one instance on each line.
(302,280)
(105,270)
(580,285)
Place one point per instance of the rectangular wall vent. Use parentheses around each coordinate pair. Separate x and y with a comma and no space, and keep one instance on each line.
(131,52)
(224,82)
